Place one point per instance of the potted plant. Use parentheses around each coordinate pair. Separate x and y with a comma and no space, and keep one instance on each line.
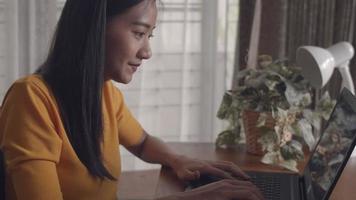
(273,107)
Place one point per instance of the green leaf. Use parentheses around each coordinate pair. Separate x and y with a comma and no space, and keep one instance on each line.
(289,164)
(297,97)
(282,113)
(307,133)
(270,158)
(225,106)
(227,137)
(261,119)
(325,106)
(292,150)
(268,141)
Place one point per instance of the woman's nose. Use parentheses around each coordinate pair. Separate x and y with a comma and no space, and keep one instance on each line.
(145,52)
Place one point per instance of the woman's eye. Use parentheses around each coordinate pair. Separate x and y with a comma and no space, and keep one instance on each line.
(139,35)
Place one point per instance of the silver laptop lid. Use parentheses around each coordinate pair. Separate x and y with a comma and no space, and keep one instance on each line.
(333,150)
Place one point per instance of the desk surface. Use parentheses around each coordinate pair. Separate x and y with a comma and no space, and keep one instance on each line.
(166,182)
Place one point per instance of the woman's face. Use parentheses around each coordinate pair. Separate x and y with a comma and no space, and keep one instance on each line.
(127,41)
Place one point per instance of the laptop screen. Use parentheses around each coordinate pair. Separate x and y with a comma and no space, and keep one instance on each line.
(334,147)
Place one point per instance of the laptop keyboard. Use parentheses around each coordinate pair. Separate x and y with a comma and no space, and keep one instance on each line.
(270,186)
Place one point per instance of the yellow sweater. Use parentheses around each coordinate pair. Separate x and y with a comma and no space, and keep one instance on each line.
(41,164)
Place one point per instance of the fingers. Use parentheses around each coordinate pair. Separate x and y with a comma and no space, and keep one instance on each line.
(216,172)
(230,167)
(232,189)
(189,175)
(243,190)
(223,169)
(245,186)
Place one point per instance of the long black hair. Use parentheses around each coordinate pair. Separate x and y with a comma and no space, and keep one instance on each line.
(74,71)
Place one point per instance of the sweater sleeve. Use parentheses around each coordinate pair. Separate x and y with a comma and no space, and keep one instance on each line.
(30,143)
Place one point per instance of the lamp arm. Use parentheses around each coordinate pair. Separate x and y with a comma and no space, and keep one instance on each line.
(346,77)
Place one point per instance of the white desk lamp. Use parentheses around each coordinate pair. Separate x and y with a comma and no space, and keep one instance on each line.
(318,64)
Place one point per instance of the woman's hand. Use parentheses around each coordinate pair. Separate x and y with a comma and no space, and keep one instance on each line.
(229,188)
(226,189)
(190,169)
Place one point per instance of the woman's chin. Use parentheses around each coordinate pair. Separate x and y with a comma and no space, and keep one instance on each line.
(124,80)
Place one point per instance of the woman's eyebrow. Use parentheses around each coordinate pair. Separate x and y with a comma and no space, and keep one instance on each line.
(138,23)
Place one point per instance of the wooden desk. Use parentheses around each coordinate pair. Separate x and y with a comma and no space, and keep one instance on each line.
(167,183)
(138,185)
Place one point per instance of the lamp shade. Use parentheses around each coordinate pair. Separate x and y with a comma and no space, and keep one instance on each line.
(318,64)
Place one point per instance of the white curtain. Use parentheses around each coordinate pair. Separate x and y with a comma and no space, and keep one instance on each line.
(26,29)
(175,95)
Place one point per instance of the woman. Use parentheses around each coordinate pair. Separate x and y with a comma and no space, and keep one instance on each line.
(60,128)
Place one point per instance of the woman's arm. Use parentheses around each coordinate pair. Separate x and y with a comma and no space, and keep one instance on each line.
(153,150)
(30,143)
(33,180)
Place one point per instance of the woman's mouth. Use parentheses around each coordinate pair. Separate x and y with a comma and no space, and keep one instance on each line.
(134,66)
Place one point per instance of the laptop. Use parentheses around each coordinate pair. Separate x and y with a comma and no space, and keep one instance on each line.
(326,162)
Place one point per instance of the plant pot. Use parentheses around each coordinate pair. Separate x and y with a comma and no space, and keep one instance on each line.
(252,132)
